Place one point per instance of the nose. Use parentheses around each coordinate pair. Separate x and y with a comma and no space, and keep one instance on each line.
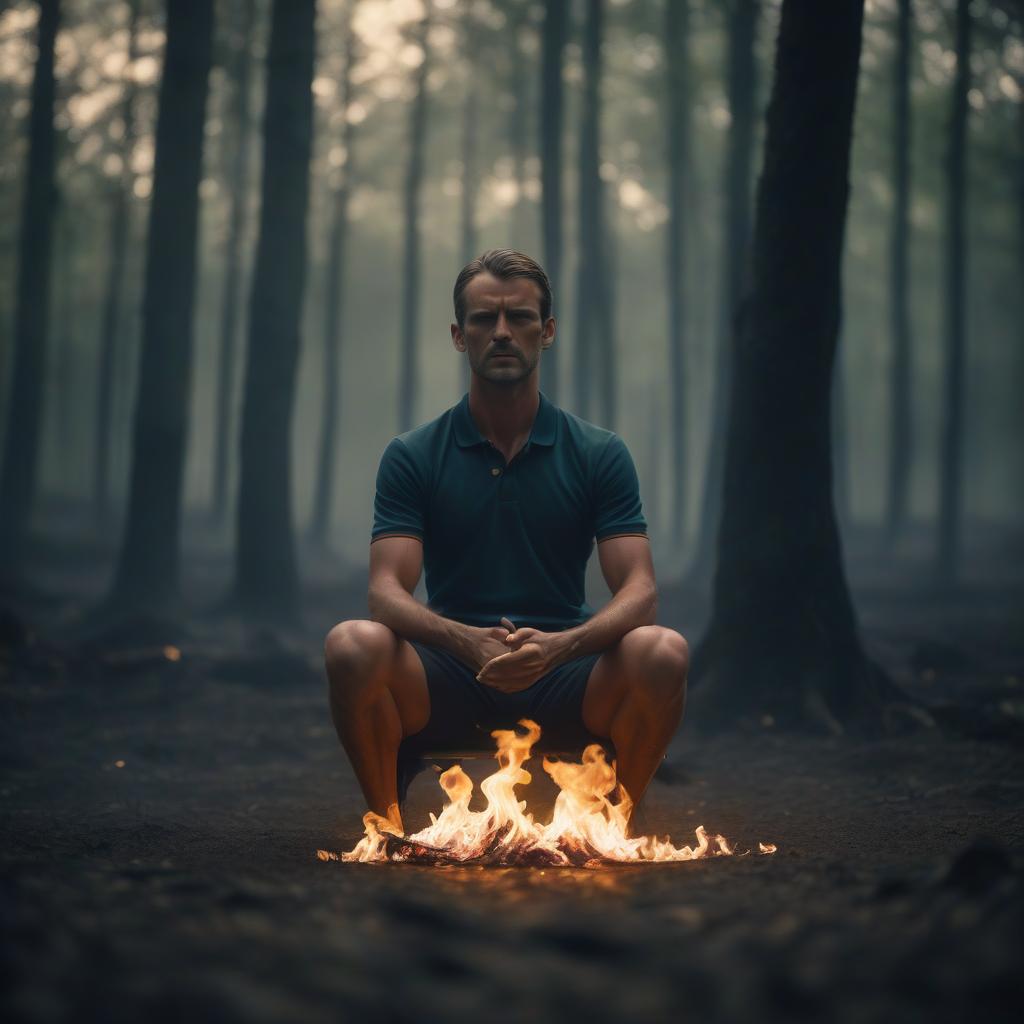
(501,328)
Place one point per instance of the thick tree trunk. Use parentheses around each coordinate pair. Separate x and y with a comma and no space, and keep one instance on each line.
(947,555)
(409,358)
(678,133)
(266,570)
(113,303)
(741,89)
(553,38)
(232,297)
(335,292)
(900,439)
(31,313)
(147,569)
(594,355)
(783,646)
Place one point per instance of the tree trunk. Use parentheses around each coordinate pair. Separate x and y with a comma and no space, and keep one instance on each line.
(231,299)
(677,63)
(266,570)
(594,355)
(64,337)
(470,131)
(741,92)
(951,468)
(900,438)
(783,645)
(334,306)
(31,313)
(113,303)
(148,564)
(518,129)
(555,30)
(409,361)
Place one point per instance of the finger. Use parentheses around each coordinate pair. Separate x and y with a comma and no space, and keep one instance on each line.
(508,624)
(522,636)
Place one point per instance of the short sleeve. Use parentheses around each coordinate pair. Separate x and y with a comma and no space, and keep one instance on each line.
(617,492)
(399,504)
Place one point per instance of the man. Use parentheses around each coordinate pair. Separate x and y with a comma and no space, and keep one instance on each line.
(501,498)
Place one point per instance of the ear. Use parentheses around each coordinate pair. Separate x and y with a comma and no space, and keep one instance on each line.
(457,339)
(547,337)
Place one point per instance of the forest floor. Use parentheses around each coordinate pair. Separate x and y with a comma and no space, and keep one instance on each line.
(160,822)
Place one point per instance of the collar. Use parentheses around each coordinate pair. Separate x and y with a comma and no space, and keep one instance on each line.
(467,434)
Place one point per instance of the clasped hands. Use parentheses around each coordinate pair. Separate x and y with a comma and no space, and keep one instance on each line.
(528,654)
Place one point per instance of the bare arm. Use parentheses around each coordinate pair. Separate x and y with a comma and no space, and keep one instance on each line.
(395,566)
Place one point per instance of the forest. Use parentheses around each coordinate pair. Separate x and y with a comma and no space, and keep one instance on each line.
(786,244)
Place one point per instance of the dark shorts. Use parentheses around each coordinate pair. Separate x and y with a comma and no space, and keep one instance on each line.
(463,712)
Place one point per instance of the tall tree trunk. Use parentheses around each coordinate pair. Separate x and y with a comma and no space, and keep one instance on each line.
(741,88)
(594,356)
(64,336)
(518,129)
(148,564)
(232,297)
(951,468)
(783,640)
(678,133)
(900,438)
(470,132)
(266,570)
(335,291)
(113,303)
(553,39)
(31,313)
(840,438)
(409,360)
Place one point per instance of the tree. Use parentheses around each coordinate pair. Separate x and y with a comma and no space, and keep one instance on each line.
(148,562)
(678,133)
(553,39)
(266,571)
(334,302)
(110,336)
(741,89)
(900,439)
(32,304)
(783,640)
(471,37)
(951,468)
(409,360)
(231,298)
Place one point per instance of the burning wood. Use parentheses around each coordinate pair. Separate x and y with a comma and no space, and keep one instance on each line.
(587,828)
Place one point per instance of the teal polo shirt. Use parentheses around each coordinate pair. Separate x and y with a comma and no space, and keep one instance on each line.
(508,539)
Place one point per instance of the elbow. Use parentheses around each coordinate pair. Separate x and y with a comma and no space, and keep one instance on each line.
(374,604)
(650,606)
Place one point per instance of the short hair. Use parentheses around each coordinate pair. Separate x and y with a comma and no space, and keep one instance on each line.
(502,263)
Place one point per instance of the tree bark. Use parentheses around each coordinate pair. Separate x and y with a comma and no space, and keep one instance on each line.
(148,563)
(900,438)
(231,299)
(947,555)
(553,39)
(678,134)
(31,313)
(113,303)
(741,87)
(266,569)
(783,646)
(409,360)
(470,131)
(335,292)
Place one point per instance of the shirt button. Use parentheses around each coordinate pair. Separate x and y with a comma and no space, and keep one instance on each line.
(495,471)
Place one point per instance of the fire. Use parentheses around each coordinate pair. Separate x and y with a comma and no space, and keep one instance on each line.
(588,827)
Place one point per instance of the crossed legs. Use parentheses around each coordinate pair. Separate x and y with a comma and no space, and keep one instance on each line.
(378,695)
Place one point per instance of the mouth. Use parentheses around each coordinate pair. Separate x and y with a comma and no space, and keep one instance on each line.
(504,355)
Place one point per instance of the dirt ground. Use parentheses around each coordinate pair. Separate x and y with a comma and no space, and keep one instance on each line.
(160,821)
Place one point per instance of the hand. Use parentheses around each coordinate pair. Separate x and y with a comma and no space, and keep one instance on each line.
(482,644)
(531,653)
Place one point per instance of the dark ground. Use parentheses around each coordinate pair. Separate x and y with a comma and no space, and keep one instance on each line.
(185,884)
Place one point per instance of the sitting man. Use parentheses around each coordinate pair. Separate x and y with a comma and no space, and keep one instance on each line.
(501,498)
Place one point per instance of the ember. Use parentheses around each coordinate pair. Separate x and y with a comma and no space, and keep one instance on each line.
(587,828)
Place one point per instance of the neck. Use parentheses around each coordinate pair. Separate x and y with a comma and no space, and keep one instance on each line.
(504,413)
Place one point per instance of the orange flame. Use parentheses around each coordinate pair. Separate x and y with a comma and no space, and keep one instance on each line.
(586,829)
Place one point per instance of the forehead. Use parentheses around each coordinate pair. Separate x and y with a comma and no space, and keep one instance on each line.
(485,291)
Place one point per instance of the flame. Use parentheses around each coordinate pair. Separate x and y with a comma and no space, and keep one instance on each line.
(587,828)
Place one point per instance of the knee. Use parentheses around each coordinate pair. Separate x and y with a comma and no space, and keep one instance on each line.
(356,652)
(662,660)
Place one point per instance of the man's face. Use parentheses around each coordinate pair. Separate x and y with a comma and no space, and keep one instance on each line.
(503,334)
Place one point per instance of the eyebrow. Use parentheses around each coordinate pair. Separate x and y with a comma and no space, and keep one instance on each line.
(514,309)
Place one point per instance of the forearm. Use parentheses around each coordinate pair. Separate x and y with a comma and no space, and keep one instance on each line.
(397,609)
(632,605)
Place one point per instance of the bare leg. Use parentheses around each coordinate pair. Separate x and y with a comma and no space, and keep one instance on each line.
(636,695)
(378,695)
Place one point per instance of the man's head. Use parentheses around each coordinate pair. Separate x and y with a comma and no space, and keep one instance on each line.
(503,315)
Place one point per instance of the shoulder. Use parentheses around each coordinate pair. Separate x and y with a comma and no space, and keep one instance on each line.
(594,444)
(424,443)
